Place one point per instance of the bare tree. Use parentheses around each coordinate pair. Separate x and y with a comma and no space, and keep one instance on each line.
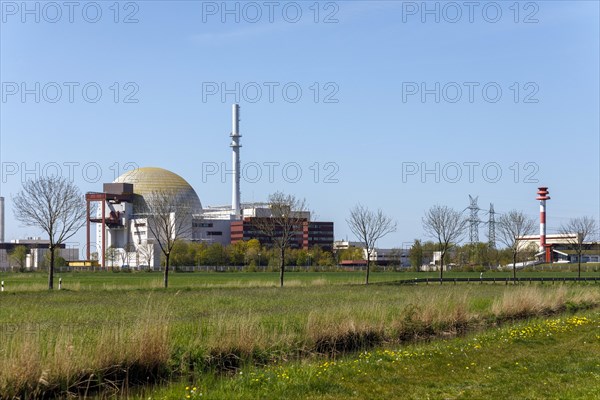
(55,205)
(125,254)
(111,255)
(169,219)
(446,225)
(368,227)
(512,226)
(146,253)
(584,229)
(288,215)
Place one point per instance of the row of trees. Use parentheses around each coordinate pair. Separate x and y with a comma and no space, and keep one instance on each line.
(449,226)
(56,206)
(470,255)
(249,253)
(18,259)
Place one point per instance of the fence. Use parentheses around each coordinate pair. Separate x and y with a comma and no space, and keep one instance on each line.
(494,280)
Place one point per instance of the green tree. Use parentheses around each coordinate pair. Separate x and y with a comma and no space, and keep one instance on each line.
(59,261)
(326,259)
(416,255)
(182,254)
(351,253)
(18,255)
(301,258)
(237,253)
(216,255)
(196,253)
(253,249)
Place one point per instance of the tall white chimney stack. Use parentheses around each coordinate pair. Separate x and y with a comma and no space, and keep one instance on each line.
(235,146)
(1,219)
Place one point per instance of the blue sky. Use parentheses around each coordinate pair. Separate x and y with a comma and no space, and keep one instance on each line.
(367,119)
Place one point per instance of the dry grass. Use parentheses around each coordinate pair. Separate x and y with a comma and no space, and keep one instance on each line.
(525,301)
(268,324)
(65,358)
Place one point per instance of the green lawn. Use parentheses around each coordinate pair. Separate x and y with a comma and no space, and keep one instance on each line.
(88,281)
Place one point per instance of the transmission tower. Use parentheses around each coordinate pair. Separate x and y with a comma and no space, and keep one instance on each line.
(492,227)
(474,220)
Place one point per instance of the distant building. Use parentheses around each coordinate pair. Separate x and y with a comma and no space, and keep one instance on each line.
(123,236)
(345,244)
(379,256)
(37,250)
(307,234)
(389,257)
(561,248)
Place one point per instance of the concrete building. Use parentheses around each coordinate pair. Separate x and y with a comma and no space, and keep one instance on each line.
(123,234)
(378,256)
(125,239)
(345,244)
(122,231)
(37,250)
(559,248)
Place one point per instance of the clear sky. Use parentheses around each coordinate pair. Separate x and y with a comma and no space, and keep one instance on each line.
(395,105)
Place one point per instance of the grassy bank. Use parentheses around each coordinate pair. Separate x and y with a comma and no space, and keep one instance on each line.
(550,358)
(81,340)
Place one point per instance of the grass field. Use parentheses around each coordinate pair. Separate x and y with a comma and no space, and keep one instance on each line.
(89,281)
(113,329)
(551,358)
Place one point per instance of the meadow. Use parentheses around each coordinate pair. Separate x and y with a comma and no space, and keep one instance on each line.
(542,358)
(106,332)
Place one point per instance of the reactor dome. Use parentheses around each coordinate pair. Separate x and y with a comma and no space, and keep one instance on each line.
(148,179)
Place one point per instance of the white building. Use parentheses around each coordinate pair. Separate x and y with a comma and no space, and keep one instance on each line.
(37,250)
(123,237)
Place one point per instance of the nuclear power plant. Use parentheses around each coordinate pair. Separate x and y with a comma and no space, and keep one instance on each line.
(123,234)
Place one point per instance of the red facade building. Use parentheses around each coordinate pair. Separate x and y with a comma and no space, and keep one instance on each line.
(307,235)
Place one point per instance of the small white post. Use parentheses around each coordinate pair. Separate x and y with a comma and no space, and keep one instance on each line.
(59,283)
(2,286)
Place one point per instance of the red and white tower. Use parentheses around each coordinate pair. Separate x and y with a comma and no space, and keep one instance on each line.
(542,197)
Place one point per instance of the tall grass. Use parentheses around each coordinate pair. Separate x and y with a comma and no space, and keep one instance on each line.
(64,359)
(81,341)
(534,300)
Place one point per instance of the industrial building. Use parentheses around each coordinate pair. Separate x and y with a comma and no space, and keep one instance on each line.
(555,247)
(37,250)
(561,248)
(307,234)
(123,236)
(378,256)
